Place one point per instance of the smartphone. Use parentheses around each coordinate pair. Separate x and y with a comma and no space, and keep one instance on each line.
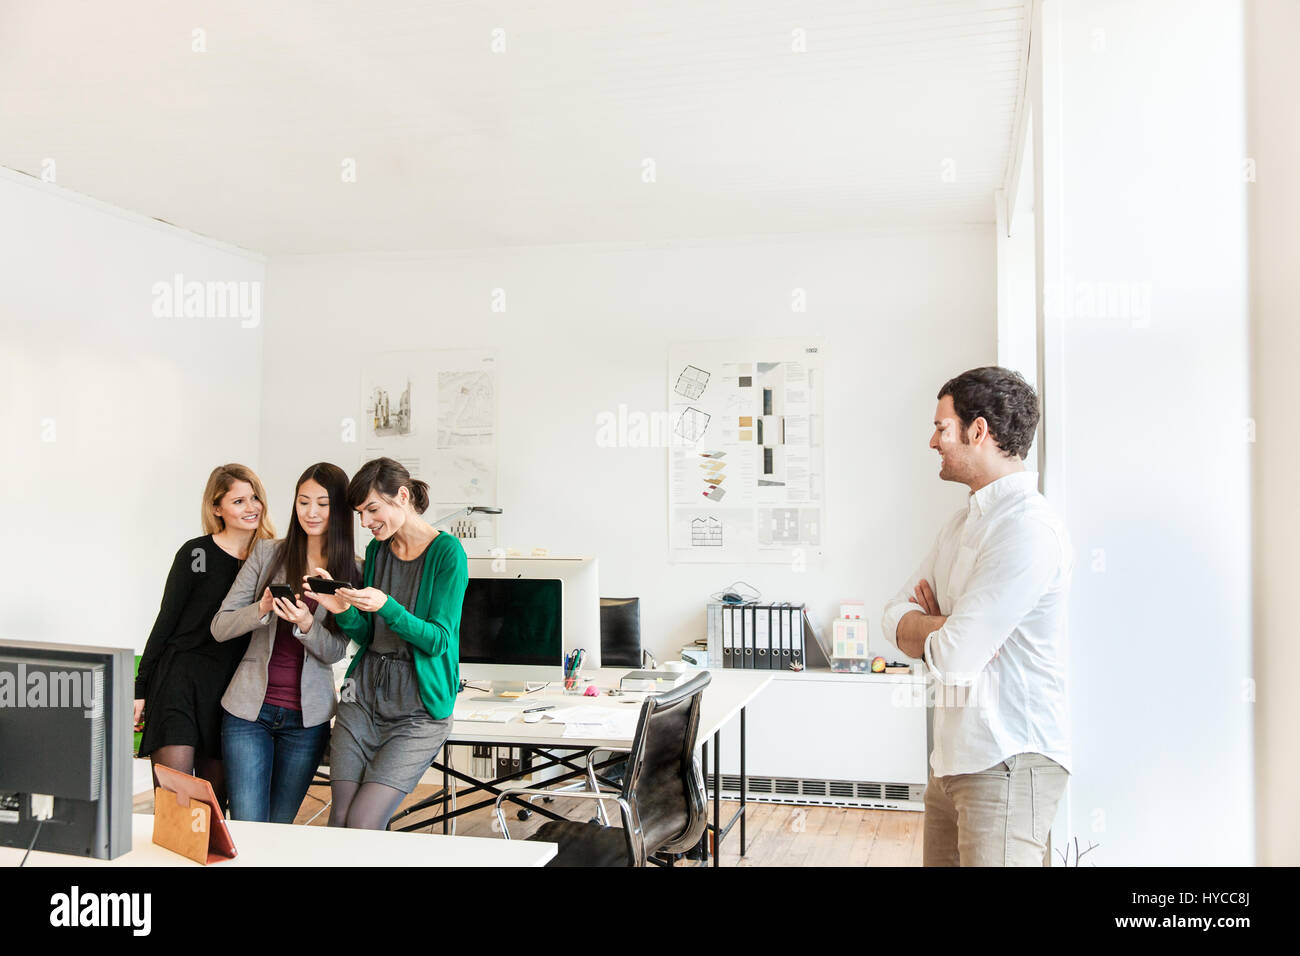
(282,591)
(326,586)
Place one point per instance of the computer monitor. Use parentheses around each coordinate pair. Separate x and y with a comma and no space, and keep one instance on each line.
(66,740)
(507,589)
(512,621)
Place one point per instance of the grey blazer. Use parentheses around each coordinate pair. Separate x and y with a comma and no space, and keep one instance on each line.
(239,615)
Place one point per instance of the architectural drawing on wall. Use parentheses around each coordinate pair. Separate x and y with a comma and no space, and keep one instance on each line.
(788,526)
(692,424)
(462,476)
(692,382)
(770,425)
(388,416)
(451,395)
(778,525)
(713,471)
(706,532)
(761,474)
(467,410)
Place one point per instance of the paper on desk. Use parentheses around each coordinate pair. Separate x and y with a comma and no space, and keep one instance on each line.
(594,712)
(602,722)
(486,715)
(563,715)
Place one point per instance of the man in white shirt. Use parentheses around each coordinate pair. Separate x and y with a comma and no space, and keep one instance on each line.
(986,612)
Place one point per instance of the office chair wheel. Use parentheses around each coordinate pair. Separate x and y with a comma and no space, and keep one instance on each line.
(548,799)
(524,814)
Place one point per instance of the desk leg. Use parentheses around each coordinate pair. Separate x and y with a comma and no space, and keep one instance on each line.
(445,794)
(704,838)
(717,797)
(744,781)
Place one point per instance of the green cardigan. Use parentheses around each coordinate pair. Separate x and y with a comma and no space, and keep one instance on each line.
(433,630)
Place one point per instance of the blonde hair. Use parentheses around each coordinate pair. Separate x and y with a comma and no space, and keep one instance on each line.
(221,480)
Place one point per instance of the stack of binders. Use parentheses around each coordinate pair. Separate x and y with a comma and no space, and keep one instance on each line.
(756,636)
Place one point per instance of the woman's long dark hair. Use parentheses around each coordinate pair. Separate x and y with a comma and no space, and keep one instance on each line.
(340,555)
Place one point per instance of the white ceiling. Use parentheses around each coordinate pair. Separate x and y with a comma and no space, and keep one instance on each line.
(460,147)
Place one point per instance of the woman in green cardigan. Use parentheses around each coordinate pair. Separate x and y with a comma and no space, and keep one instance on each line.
(395,709)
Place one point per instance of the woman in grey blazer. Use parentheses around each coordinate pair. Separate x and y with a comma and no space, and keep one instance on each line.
(278,705)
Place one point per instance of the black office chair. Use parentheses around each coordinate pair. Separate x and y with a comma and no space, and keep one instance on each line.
(662,799)
(620,646)
(620,632)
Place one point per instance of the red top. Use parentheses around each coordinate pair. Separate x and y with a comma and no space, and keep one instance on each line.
(284,670)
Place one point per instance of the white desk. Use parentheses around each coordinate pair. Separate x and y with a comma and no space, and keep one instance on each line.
(728,694)
(278,844)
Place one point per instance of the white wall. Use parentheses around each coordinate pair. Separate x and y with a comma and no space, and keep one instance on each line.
(1143,133)
(587,328)
(112,417)
(1274,144)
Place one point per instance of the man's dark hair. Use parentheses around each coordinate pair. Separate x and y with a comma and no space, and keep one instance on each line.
(1003,399)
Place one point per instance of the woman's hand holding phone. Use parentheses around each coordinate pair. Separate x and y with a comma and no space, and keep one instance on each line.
(365,599)
(297,613)
(267,604)
(335,603)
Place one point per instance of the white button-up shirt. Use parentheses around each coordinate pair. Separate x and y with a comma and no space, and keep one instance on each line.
(1000,571)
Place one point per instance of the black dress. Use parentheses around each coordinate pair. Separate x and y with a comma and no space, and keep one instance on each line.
(184,670)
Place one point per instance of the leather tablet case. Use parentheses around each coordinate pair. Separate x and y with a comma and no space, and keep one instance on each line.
(187,819)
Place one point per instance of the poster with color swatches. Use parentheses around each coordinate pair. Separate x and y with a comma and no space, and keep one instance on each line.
(746,460)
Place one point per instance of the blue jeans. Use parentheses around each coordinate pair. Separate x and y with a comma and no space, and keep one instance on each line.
(270,762)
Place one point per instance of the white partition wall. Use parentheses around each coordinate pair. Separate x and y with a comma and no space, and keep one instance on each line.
(1147,381)
(1274,140)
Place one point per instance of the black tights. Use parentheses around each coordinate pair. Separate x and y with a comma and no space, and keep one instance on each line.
(181,757)
(363,806)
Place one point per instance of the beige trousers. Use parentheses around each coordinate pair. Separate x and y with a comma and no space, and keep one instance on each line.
(996,817)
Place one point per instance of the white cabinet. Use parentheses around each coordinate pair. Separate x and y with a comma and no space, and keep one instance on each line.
(818,737)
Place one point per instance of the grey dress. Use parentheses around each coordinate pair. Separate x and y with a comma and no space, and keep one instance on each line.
(383,732)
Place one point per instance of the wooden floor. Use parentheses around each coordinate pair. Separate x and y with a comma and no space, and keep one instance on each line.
(777,834)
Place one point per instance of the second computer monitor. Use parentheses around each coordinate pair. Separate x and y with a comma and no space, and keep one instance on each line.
(65,748)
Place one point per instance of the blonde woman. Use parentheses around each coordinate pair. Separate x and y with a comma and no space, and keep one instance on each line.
(183,671)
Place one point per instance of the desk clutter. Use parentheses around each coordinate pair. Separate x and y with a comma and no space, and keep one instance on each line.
(655,681)
(581,720)
(751,635)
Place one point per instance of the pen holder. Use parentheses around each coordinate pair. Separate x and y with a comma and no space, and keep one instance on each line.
(574,686)
(573,682)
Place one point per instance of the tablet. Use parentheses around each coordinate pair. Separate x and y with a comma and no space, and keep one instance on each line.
(176,824)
